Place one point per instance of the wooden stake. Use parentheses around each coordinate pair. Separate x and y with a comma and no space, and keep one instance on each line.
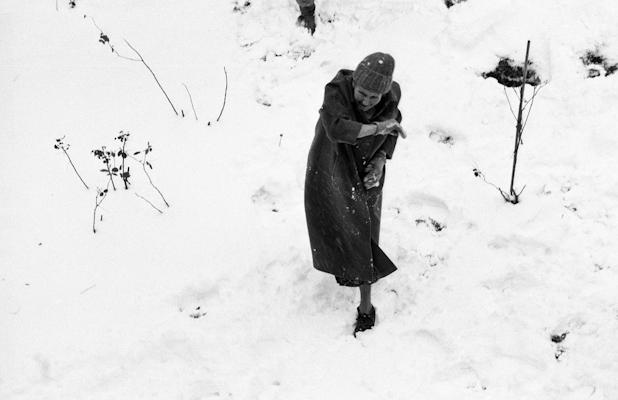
(518,130)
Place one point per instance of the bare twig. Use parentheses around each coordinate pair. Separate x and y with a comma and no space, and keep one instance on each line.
(531,101)
(60,145)
(482,176)
(535,91)
(509,101)
(74,169)
(124,174)
(144,162)
(156,188)
(153,75)
(101,195)
(121,56)
(95,24)
(103,38)
(224,96)
(111,179)
(149,202)
(87,289)
(514,199)
(191,99)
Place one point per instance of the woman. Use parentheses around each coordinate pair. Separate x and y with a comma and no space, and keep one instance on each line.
(356,133)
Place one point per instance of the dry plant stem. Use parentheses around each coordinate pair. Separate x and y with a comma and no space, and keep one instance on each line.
(505,196)
(536,91)
(489,183)
(148,201)
(112,47)
(97,203)
(531,101)
(88,288)
(124,179)
(152,184)
(224,95)
(518,129)
(511,198)
(153,75)
(56,5)
(75,169)
(111,179)
(509,101)
(191,99)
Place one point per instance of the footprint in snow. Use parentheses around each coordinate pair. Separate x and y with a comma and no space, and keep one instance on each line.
(424,205)
(439,136)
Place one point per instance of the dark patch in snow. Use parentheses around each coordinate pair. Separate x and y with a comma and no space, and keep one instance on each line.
(510,75)
(327,19)
(198,313)
(295,53)
(597,64)
(103,38)
(264,102)
(442,137)
(433,260)
(262,195)
(451,3)
(437,226)
(266,199)
(559,353)
(238,8)
(600,267)
(559,338)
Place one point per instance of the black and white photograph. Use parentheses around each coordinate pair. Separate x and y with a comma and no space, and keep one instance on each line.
(308,199)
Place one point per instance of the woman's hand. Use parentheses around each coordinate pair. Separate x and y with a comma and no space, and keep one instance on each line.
(373,171)
(390,127)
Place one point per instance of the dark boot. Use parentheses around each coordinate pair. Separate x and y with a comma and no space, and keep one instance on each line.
(365,321)
(306,19)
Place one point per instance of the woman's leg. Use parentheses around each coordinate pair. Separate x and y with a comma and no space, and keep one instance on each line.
(366,317)
(365,302)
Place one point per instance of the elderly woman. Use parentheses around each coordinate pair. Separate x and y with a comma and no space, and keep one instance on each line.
(354,136)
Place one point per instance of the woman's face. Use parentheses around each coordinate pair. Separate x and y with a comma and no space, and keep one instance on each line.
(365,99)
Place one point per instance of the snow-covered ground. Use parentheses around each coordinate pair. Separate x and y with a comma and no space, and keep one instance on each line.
(216,297)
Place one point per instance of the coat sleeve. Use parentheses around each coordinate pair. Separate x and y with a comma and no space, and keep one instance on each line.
(391,141)
(335,115)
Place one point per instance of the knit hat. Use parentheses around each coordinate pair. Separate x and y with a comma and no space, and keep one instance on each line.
(375,73)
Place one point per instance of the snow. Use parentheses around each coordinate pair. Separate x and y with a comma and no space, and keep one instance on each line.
(216,298)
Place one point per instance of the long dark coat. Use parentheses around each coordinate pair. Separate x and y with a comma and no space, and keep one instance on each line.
(343,217)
